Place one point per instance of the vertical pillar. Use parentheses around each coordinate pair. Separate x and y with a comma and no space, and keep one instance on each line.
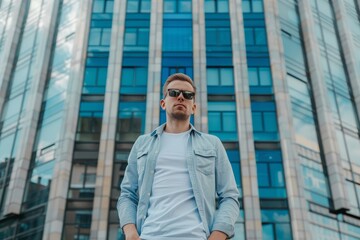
(292,168)
(253,226)
(104,171)
(55,213)
(323,110)
(199,54)
(10,47)
(154,71)
(33,107)
(348,47)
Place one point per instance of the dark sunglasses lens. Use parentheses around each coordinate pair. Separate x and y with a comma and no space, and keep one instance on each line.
(174,93)
(188,95)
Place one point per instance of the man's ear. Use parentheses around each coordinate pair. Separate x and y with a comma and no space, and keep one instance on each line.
(162,104)
(194,108)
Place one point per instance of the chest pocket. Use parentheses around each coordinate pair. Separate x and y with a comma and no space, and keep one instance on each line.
(205,160)
(141,162)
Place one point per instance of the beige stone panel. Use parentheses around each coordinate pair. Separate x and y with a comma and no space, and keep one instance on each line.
(104,171)
(348,47)
(253,227)
(154,71)
(199,56)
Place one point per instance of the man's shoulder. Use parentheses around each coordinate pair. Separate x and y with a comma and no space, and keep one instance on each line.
(206,137)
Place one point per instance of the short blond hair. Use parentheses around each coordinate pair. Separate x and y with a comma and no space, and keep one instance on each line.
(180,77)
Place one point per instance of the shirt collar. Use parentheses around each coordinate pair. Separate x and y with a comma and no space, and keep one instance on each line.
(159,130)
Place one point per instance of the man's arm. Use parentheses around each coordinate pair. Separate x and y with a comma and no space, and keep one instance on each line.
(217,235)
(226,189)
(128,200)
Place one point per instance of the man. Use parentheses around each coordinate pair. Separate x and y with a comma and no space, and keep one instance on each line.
(174,175)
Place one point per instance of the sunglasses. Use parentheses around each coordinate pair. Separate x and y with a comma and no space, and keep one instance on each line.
(188,95)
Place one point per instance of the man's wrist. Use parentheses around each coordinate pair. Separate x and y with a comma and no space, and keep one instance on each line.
(217,235)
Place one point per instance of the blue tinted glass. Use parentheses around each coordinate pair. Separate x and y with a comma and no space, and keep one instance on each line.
(226,76)
(209,6)
(169,6)
(177,39)
(260,36)
(95,36)
(278,215)
(211,36)
(253,76)
(102,75)
(249,36)
(90,76)
(223,6)
(263,175)
(212,76)
(127,77)
(184,6)
(229,121)
(268,231)
(270,122)
(277,175)
(283,231)
(236,170)
(214,121)
(257,121)
(130,36)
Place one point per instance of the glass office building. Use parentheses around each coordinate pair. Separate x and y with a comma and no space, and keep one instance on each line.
(278,82)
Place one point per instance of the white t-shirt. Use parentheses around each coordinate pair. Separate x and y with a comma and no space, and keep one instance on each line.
(172,213)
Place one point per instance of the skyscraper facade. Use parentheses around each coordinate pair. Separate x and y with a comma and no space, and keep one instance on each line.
(278,82)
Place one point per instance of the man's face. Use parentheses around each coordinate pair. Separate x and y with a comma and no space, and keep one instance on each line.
(178,108)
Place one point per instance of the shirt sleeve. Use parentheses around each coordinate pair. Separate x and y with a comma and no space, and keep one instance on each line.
(228,194)
(128,200)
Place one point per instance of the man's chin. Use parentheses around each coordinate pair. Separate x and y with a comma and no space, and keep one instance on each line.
(180,116)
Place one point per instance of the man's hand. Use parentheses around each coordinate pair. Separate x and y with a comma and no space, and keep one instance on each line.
(217,235)
(131,232)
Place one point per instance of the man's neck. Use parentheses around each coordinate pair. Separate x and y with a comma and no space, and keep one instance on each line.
(177,126)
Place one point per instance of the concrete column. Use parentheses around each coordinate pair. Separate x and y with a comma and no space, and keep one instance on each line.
(101,206)
(33,107)
(348,48)
(291,162)
(199,55)
(253,226)
(323,109)
(11,42)
(154,72)
(54,220)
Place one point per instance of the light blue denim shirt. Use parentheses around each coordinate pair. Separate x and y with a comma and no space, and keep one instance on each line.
(211,177)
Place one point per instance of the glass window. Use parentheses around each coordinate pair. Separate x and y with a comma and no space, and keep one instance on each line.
(138,6)
(177,6)
(216,6)
(222,120)
(95,80)
(103,6)
(220,76)
(177,39)
(136,39)
(270,174)
(133,80)
(264,121)
(131,122)
(276,224)
(218,36)
(254,6)
(90,120)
